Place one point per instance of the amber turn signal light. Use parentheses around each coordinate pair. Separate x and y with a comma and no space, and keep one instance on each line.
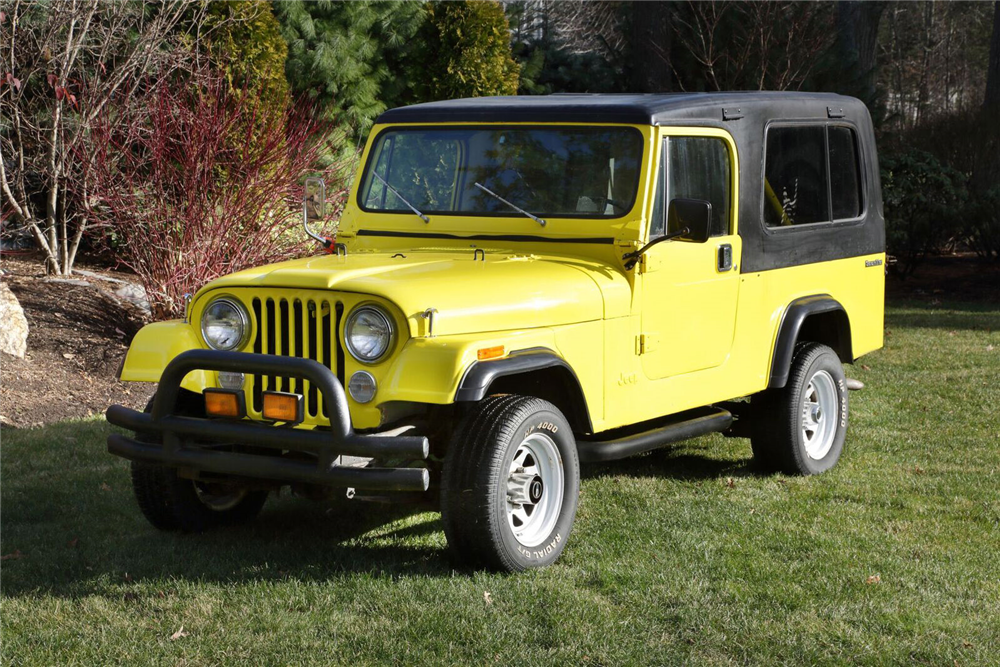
(283,407)
(490,353)
(225,403)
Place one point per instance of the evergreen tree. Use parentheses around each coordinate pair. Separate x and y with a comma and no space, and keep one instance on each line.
(244,41)
(349,56)
(466,52)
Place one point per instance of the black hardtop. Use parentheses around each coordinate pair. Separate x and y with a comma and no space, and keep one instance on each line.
(633,109)
(746,116)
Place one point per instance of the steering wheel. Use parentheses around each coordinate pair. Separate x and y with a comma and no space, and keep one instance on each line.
(607,200)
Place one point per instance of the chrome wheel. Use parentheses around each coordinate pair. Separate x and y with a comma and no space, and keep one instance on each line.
(218,498)
(819,415)
(535,488)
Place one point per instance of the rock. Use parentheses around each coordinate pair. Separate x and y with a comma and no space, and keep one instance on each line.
(854,385)
(13,324)
(69,281)
(98,276)
(134,294)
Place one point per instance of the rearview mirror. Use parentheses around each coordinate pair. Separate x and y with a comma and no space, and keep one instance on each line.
(695,215)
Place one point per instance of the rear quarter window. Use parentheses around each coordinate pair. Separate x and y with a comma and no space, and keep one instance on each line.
(812,174)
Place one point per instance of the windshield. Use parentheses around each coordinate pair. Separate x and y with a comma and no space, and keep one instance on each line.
(578,172)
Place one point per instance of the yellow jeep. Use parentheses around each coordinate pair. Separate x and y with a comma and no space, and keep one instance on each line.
(520,285)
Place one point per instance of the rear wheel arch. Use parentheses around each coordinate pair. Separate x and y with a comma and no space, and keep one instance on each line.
(815,319)
(542,374)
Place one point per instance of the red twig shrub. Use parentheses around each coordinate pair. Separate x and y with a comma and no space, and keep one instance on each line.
(195,180)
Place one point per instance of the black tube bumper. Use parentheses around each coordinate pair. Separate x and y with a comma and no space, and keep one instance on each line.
(183,438)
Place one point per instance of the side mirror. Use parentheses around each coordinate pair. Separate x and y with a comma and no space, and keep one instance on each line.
(695,215)
(314,199)
(314,208)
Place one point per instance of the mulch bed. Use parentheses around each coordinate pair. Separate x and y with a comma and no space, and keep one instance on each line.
(77,339)
(958,277)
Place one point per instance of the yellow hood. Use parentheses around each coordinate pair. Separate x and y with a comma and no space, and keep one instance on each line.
(503,292)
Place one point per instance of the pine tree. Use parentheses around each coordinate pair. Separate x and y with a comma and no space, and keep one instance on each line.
(349,55)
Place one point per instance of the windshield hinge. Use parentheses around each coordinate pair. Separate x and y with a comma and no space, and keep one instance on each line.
(645,343)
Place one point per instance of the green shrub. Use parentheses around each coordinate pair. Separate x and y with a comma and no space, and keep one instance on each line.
(244,42)
(466,52)
(983,224)
(924,201)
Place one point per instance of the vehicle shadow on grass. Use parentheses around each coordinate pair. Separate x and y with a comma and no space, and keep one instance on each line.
(85,536)
(677,462)
(110,547)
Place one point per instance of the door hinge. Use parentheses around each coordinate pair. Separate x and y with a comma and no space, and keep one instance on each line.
(645,343)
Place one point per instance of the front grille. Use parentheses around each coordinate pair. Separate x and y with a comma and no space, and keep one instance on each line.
(297,327)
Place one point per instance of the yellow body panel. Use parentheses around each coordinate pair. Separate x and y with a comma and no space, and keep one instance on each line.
(763,300)
(153,348)
(673,334)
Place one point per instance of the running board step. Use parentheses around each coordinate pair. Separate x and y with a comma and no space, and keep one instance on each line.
(682,426)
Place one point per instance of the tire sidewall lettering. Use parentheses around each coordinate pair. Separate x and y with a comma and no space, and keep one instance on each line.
(842,386)
(534,553)
(542,426)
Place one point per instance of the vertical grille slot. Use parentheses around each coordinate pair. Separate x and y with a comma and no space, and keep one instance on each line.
(297,324)
(256,398)
(329,334)
(297,327)
(340,349)
(284,382)
(312,312)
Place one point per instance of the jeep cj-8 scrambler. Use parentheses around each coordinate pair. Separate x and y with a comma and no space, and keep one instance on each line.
(520,285)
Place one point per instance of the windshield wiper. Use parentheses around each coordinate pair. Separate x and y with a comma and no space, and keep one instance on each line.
(400,197)
(516,208)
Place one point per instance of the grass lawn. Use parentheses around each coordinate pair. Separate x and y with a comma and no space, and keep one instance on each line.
(682,555)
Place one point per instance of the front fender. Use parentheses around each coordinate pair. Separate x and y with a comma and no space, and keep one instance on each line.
(428,370)
(155,346)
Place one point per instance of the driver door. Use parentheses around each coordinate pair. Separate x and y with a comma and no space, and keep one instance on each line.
(690,289)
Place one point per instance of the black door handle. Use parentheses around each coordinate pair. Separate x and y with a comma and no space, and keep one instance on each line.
(725,257)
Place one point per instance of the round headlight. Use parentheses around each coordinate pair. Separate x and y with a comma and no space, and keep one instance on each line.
(225,325)
(368,334)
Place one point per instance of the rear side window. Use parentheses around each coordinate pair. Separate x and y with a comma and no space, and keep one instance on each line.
(845,176)
(811,174)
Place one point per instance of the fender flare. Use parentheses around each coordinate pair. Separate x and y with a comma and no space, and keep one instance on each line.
(788,334)
(475,383)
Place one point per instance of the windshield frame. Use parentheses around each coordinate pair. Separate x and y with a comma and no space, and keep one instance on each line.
(373,142)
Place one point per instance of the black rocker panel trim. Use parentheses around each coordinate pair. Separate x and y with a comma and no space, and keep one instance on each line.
(480,376)
(791,325)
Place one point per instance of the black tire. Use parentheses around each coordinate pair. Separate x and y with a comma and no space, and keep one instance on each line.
(778,441)
(150,487)
(474,486)
(170,502)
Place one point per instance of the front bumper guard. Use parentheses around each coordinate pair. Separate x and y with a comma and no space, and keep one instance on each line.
(180,435)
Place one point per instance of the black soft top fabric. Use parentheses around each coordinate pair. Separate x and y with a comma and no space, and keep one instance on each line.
(746,116)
